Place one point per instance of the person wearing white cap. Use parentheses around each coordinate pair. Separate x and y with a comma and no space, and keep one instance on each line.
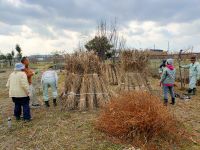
(19,92)
(168,80)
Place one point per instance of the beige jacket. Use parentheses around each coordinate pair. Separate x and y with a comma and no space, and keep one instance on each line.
(18,84)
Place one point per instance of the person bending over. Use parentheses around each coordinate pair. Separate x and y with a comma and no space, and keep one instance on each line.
(50,79)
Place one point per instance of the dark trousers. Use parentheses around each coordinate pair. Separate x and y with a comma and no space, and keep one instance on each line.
(22,103)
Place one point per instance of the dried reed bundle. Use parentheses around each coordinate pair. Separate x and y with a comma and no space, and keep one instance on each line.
(111,73)
(83,63)
(135,60)
(137,115)
(134,65)
(84,84)
(133,81)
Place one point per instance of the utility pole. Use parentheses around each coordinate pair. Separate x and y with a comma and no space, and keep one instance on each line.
(168,47)
(179,62)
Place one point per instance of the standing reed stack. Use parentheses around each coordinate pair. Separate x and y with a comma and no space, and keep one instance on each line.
(134,65)
(111,73)
(85,88)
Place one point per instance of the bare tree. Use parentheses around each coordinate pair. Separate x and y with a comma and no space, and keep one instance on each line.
(112,33)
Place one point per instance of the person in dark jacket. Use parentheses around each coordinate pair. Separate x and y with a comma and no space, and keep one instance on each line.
(162,66)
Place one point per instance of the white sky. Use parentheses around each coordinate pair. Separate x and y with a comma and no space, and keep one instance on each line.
(43,26)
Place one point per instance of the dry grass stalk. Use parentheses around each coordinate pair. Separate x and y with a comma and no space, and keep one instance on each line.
(99,97)
(83,96)
(111,73)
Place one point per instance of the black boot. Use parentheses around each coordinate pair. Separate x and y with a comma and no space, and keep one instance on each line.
(173,101)
(190,91)
(47,104)
(194,91)
(54,102)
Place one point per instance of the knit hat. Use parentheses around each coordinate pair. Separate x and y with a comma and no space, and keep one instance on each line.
(170,61)
(19,67)
(164,61)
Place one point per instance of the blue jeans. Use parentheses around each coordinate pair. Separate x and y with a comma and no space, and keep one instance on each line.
(22,102)
(170,90)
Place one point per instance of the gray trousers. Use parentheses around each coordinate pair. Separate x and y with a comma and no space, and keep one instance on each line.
(168,90)
(33,96)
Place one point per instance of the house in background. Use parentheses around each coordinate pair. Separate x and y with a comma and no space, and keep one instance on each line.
(40,58)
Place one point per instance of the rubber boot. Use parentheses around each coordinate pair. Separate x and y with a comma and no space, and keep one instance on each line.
(18,118)
(47,104)
(173,101)
(190,91)
(54,102)
(194,91)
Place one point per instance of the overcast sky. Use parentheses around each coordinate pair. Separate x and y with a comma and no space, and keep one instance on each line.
(42,26)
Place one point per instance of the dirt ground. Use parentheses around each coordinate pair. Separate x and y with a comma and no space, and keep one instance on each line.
(187,112)
(52,129)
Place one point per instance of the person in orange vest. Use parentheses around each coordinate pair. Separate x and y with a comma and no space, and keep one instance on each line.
(33,99)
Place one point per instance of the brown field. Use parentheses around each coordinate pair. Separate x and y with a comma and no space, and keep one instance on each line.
(53,129)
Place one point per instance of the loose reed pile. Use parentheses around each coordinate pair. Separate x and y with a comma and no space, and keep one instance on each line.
(84,85)
(134,65)
(137,116)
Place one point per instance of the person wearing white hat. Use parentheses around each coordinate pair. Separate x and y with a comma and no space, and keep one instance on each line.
(19,92)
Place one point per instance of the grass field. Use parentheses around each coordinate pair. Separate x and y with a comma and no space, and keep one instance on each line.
(52,129)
